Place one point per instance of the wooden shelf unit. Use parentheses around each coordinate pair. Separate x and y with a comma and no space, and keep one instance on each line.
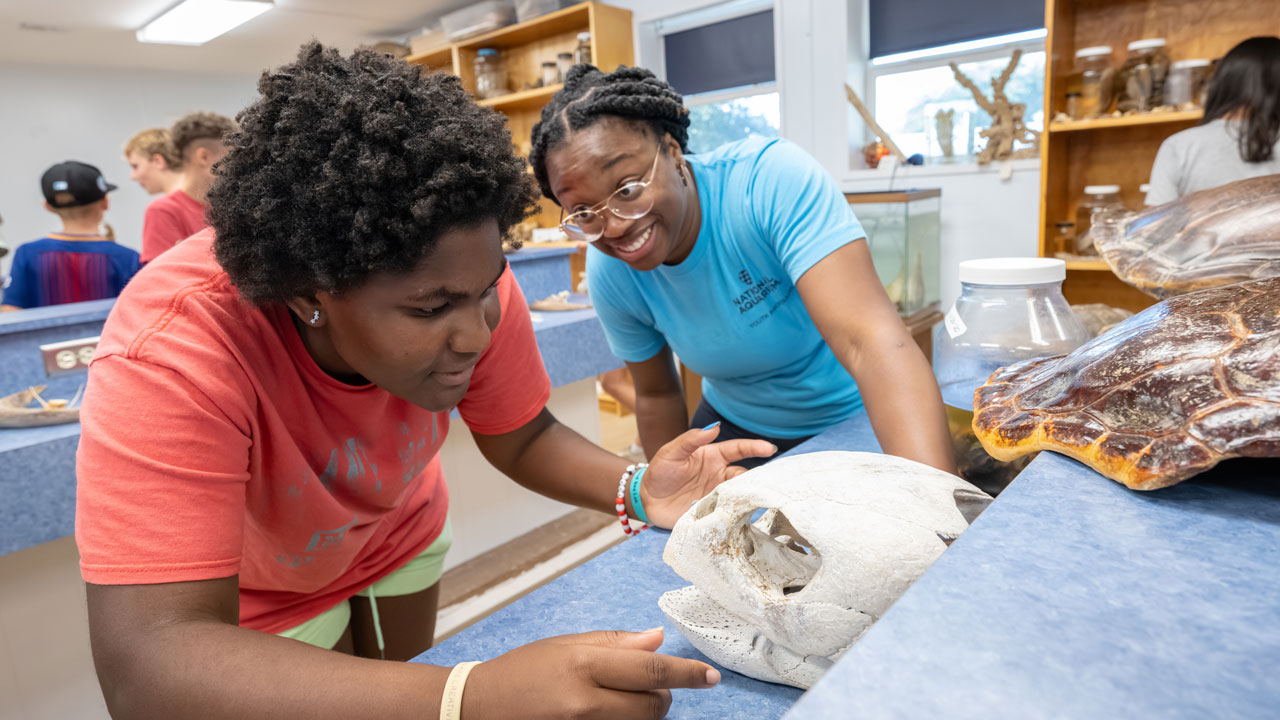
(1120,151)
(1088,265)
(524,47)
(438,59)
(532,99)
(1152,118)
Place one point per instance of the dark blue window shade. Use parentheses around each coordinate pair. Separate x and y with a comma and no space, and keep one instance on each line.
(904,25)
(722,55)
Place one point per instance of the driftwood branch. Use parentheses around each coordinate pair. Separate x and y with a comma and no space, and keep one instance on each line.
(978,97)
(997,84)
(1007,123)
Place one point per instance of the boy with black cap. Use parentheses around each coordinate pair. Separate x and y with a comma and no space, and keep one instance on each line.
(79,263)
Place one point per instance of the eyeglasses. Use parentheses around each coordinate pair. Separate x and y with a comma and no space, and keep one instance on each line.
(629,202)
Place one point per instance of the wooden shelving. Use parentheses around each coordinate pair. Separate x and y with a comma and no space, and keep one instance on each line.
(1088,265)
(439,58)
(523,100)
(571,19)
(1158,118)
(1120,151)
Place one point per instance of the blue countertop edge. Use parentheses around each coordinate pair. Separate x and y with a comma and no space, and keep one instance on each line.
(55,316)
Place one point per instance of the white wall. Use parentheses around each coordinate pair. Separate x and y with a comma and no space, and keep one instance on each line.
(49,114)
(982,215)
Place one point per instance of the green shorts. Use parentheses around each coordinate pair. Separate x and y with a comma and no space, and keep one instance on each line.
(420,573)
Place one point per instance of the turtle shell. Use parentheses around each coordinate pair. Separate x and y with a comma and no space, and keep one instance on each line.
(1164,395)
(1214,237)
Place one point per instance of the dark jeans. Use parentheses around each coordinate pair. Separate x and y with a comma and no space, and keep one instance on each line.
(705,415)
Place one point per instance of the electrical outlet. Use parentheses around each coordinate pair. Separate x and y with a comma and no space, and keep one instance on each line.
(68,356)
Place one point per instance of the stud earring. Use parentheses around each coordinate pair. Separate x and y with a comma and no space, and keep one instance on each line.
(315,317)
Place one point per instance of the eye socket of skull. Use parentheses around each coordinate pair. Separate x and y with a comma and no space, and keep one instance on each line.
(705,506)
(781,559)
(970,503)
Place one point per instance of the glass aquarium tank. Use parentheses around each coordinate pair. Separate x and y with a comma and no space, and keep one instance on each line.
(903,231)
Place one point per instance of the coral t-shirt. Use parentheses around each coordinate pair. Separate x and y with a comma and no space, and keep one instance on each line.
(170,219)
(213,445)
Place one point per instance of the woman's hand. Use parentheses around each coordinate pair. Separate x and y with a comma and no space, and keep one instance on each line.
(610,675)
(688,468)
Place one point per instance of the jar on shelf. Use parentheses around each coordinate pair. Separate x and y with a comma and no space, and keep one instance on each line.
(550,73)
(1094,79)
(1140,83)
(564,61)
(1096,197)
(582,53)
(1188,80)
(1009,310)
(1072,108)
(1064,238)
(491,74)
(1098,201)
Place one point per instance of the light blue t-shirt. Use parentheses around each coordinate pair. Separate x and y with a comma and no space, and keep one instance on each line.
(730,310)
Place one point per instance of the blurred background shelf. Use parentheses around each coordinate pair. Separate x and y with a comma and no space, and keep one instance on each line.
(1088,265)
(522,101)
(1182,116)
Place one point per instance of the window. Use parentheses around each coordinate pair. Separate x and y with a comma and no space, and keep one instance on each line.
(908,94)
(715,122)
(721,58)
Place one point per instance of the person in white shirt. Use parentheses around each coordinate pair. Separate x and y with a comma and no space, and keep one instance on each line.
(1239,137)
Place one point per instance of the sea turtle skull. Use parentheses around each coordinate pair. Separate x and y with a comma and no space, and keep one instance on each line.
(842,536)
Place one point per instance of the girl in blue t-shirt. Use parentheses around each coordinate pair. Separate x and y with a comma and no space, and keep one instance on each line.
(746,262)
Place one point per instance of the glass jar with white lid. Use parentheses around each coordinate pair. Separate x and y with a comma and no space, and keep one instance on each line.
(1009,310)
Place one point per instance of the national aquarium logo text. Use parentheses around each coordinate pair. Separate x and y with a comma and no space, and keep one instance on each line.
(755,294)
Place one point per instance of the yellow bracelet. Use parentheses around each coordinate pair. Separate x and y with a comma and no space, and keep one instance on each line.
(451,701)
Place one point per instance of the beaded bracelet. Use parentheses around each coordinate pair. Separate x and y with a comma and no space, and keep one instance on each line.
(622,501)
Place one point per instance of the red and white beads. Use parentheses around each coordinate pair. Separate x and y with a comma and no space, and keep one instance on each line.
(622,500)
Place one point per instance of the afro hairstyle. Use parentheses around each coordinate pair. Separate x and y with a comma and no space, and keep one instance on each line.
(346,167)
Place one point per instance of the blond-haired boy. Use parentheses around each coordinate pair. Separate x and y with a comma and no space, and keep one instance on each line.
(154,162)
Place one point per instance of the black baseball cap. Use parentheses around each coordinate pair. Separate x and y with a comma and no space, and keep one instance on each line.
(82,181)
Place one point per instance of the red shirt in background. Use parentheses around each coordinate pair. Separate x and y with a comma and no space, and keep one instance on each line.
(213,445)
(169,220)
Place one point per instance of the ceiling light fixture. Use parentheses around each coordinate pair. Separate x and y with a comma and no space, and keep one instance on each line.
(196,22)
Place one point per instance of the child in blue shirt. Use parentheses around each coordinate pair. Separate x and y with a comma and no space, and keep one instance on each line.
(79,263)
(746,262)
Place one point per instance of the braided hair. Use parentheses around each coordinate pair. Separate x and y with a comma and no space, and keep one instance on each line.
(631,94)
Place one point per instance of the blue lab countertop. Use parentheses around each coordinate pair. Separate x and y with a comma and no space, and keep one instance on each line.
(1069,597)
